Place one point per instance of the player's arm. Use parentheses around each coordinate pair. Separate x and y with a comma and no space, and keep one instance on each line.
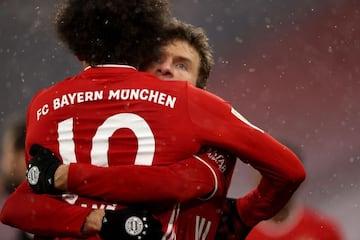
(42,214)
(282,172)
(45,215)
(183,180)
(180,181)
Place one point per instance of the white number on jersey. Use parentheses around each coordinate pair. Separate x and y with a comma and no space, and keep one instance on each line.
(100,142)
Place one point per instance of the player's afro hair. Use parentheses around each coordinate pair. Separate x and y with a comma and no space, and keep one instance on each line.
(111,31)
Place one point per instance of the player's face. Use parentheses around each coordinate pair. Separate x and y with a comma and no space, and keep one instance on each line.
(178,61)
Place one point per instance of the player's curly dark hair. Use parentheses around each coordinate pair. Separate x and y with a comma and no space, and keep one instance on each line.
(111,31)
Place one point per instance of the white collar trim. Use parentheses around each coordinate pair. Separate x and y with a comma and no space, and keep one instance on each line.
(110,65)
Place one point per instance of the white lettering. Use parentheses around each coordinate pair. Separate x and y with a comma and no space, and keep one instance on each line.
(42,111)
(170,101)
(119,94)
(56,103)
(89,96)
(153,96)
(144,95)
(134,94)
(80,97)
(73,199)
(75,98)
(102,206)
(64,101)
(114,94)
(162,99)
(125,93)
(72,97)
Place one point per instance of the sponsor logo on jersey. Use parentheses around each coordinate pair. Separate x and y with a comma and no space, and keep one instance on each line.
(219,159)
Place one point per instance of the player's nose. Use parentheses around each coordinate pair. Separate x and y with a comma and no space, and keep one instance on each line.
(165,70)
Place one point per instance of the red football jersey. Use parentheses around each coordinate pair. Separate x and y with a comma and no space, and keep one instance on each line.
(117,116)
(303,223)
(199,218)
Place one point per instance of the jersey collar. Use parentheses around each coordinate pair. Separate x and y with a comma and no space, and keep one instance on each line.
(110,66)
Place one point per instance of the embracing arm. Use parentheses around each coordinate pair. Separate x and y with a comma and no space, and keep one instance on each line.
(278,183)
(172,183)
(183,180)
(282,172)
(43,214)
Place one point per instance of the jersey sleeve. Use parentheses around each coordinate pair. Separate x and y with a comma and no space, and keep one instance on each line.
(42,214)
(177,182)
(217,123)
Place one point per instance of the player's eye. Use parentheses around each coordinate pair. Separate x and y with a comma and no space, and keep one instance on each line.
(181,66)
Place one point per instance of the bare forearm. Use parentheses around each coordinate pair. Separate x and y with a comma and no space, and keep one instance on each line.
(93,222)
(61,177)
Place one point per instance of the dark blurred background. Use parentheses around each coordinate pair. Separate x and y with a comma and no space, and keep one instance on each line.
(290,67)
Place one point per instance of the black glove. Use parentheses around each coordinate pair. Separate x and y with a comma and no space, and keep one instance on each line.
(130,224)
(41,170)
(231,227)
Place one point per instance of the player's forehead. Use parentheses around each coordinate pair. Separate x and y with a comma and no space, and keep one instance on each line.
(180,49)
